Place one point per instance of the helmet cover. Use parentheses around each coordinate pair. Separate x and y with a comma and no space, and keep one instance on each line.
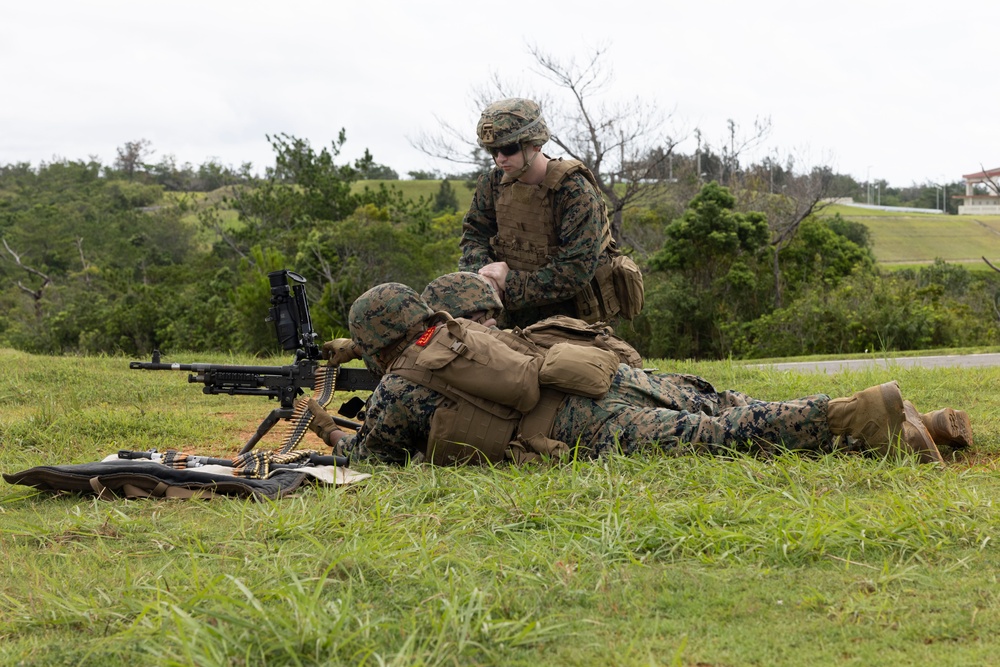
(383,319)
(462,294)
(513,120)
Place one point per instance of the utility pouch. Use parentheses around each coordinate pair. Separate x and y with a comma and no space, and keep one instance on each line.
(604,280)
(575,369)
(628,286)
(588,308)
(475,362)
(563,329)
(484,436)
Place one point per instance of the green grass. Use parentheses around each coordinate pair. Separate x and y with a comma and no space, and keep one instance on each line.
(625,561)
(915,239)
(427,189)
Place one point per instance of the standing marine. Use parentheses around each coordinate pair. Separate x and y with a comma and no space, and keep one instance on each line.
(539,229)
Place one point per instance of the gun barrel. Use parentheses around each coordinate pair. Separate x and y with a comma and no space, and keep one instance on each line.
(348,379)
(209,368)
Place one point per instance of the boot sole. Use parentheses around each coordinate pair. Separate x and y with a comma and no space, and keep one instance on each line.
(953,427)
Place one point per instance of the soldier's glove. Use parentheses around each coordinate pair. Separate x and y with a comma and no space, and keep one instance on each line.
(322,423)
(339,351)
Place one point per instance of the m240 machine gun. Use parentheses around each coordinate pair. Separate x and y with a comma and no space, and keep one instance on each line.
(293,326)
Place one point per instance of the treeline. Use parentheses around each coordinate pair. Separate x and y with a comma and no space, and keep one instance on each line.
(721,287)
(128,257)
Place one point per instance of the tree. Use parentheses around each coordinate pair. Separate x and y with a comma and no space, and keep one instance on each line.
(445,200)
(36,293)
(424,175)
(711,264)
(343,239)
(370,170)
(131,157)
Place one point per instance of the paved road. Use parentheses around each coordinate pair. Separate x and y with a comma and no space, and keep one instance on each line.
(940,361)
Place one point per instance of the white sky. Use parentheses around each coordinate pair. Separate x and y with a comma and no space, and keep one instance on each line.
(902,91)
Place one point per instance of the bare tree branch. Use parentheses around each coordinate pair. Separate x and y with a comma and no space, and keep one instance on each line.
(36,294)
(989,264)
(83,260)
(990,182)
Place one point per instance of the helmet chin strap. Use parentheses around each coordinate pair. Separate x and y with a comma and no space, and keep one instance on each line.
(527,160)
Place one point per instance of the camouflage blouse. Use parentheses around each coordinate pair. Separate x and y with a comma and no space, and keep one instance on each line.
(531,296)
(641,410)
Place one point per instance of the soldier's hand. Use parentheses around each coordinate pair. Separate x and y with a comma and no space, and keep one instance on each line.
(322,423)
(496,273)
(339,351)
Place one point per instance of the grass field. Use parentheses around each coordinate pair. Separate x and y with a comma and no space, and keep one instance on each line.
(426,189)
(902,239)
(648,560)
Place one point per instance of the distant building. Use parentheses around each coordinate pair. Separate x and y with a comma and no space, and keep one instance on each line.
(987,200)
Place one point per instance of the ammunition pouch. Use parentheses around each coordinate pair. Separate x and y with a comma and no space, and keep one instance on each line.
(463,433)
(580,370)
(598,300)
(628,287)
(563,329)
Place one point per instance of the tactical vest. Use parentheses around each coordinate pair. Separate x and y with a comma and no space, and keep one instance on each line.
(494,405)
(528,235)
(470,427)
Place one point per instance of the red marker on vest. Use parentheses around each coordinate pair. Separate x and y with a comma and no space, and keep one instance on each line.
(426,336)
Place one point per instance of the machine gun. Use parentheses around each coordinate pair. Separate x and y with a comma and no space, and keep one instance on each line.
(293,326)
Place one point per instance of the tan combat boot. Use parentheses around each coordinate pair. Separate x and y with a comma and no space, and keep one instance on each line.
(917,438)
(949,427)
(879,417)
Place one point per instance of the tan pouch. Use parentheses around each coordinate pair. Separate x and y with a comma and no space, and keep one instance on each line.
(628,286)
(580,370)
(563,329)
(604,278)
(461,434)
(477,363)
(587,305)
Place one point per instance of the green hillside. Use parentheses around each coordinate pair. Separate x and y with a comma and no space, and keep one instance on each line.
(900,239)
(910,239)
(426,189)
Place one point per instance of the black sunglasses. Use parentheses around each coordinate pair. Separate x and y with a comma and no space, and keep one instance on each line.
(508,150)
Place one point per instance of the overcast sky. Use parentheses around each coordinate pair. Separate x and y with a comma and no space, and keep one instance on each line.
(901,91)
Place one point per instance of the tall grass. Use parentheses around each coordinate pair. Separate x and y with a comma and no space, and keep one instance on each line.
(625,561)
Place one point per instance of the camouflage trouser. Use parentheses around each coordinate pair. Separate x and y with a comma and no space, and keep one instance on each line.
(670,411)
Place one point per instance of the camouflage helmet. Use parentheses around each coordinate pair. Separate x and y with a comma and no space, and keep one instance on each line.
(514,120)
(462,294)
(384,319)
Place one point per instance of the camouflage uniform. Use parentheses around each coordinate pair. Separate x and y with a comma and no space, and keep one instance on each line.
(640,411)
(530,296)
(579,223)
(673,413)
(463,294)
